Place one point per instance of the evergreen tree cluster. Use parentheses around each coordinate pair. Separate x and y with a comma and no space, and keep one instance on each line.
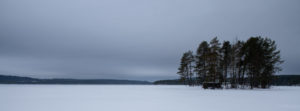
(242,64)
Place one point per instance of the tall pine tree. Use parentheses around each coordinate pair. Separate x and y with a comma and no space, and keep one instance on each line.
(226,60)
(201,57)
(186,68)
(214,72)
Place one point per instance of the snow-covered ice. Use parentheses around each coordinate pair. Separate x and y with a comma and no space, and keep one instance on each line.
(144,98)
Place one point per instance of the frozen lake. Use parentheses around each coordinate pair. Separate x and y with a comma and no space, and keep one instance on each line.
(144,98)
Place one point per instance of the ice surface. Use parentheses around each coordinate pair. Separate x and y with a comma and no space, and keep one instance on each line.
(144,98)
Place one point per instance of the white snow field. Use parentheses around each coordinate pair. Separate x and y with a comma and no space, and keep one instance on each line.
(145,98)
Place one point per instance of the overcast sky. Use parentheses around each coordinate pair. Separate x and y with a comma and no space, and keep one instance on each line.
(133,39)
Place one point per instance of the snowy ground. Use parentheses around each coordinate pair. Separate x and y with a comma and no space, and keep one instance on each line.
(144,98)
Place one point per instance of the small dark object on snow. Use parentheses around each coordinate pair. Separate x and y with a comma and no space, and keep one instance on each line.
(211,85)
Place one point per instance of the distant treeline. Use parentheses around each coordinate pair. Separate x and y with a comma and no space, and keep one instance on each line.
(240,64)
(27,80)
(278,80)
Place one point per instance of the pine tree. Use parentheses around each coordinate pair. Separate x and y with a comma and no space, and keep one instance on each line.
(271,61)
(262,59)
(226,60)
(182,69)
(253,58)
(186,68)
(241,63)
(201,61)
(236,58)
(214,72)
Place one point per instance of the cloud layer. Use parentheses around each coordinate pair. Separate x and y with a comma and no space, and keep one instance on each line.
(133,39)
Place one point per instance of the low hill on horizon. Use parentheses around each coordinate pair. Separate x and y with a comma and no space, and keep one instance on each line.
(7,79)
